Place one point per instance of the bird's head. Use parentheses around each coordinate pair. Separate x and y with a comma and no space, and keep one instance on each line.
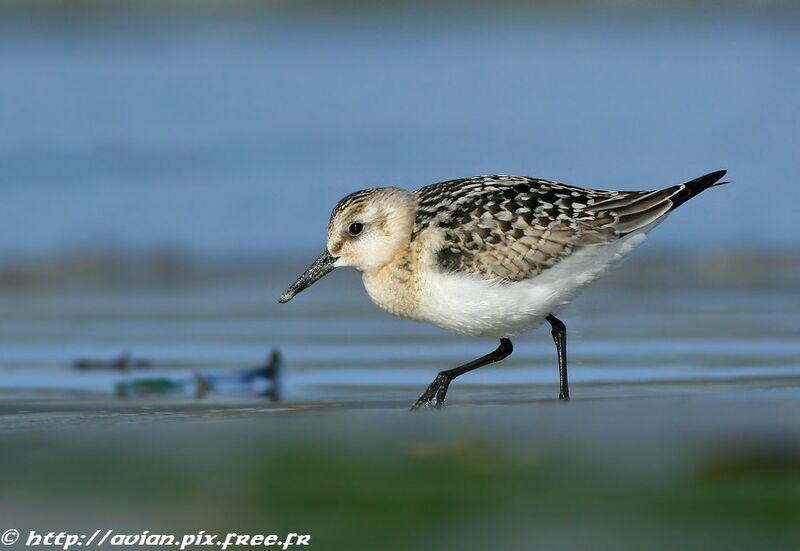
(367,230)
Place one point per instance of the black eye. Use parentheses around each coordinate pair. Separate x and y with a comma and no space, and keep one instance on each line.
(355,228)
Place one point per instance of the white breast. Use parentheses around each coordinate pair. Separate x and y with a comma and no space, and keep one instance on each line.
(470,305)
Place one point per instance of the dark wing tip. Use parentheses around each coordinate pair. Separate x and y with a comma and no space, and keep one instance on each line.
(695,187)
(706,181)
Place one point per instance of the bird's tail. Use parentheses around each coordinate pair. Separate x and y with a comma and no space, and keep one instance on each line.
(635,210)
(684,192)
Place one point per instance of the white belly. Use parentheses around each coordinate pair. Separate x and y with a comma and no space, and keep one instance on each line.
(469,305)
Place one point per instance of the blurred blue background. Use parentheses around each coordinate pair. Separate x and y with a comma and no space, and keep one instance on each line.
(222,133)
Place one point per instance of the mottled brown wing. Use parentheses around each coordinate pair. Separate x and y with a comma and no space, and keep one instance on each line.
(512,228)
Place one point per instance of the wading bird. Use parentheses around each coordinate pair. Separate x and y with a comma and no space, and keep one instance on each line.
(490,256)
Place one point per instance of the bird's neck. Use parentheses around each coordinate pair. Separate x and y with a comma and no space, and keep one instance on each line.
(395,286)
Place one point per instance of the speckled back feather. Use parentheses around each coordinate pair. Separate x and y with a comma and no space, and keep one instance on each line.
(511,228)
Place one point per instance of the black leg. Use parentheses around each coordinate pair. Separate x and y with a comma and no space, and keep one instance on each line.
(560,338)
(435,394)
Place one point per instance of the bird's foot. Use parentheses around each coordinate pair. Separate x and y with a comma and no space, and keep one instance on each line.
(434,395)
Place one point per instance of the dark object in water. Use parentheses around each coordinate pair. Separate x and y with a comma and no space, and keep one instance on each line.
(263,380)
(271,373)
(125,362)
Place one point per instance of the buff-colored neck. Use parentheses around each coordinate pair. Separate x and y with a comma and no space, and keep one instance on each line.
(395,287)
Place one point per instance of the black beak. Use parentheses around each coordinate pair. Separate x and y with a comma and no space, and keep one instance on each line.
(321,267)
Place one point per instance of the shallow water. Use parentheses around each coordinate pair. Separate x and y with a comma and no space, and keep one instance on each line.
(338,347)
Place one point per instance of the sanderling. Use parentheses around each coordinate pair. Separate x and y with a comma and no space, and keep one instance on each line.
(490,256)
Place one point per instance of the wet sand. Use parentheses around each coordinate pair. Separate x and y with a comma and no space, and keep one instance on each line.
(703,466)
